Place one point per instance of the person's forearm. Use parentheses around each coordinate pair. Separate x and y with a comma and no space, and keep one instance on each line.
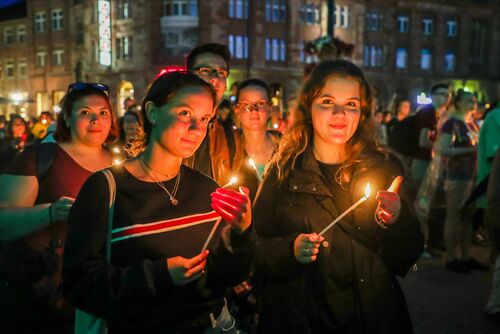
(454,151)
(16,223)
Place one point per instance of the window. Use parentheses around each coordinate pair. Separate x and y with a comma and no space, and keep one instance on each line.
(451,28)
(401,58)
(341,16)
(21,67)
(276,10)
(373,56)
(40,58)
(275,49)
(449,62)
(57,19)
(124,47)
(238,45)
(123,9)
(425,59)
(9,70)
(8,35)
(180,7)
(310,13)
(427,26)
(238,9)
(306,57)
(57,57)
(40,22)
(374,21)
(403,23)
(21,34)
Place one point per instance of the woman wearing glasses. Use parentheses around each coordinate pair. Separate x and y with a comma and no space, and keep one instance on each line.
(37,193)
(252,109)
(160,278)
(343,281)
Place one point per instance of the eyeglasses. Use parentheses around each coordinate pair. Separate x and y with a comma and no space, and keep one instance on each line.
(209,72)
(88,85)
(261,106)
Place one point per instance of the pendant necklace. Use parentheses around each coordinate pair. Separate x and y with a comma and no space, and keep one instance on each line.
(171,196)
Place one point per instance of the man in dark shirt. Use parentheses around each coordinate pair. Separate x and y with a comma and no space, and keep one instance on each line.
(426,123)
(220,149)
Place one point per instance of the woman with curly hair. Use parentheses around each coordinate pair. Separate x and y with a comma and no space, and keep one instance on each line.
(343,281)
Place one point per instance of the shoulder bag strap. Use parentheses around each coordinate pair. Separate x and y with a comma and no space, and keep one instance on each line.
(111,210)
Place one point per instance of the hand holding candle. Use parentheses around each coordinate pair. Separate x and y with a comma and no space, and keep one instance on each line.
(306,247)
(389,202)
(234,207)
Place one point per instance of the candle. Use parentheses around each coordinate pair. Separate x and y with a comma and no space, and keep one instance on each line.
(233,180)
(211,234)
(252,164)
(358,203)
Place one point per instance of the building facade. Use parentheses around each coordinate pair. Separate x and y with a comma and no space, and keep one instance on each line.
(404,47)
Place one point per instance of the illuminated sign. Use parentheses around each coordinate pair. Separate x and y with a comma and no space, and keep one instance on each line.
(422,99)
(104,19)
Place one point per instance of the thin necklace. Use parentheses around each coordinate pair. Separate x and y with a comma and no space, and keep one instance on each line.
(173,200)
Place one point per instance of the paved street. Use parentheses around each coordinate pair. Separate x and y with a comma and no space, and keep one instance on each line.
(444,302)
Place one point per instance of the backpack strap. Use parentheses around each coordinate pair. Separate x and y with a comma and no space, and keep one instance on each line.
(111,210)
(45,155)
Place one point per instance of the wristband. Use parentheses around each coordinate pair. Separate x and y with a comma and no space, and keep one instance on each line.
(379,221)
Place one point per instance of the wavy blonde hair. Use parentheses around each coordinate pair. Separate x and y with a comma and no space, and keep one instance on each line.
(300,135)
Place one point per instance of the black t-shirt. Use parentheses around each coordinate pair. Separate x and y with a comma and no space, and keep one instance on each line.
(425,118)
(339,275)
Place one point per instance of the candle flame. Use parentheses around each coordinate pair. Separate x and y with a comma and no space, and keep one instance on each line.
(252,164)
(368,190)
(233,180)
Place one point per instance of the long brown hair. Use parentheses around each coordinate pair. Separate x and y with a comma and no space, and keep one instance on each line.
(300,135)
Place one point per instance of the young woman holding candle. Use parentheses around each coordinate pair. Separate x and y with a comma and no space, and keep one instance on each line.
(252,108)
(343,281)
(159,279)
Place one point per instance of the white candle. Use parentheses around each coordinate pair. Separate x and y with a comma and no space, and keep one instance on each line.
(358,203)
(205,246)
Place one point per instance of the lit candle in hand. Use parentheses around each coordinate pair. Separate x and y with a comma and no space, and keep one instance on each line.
(232,181)
(363,198)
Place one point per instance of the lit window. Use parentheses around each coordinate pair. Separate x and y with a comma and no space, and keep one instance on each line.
(8,36)
(22,69)
(275,49)
(123,9)
(275,10)
(238,9)
(57,19)
(374,56)
(124,47)
(40,22)
(425,59)
(57,57)
(238,46)
(341,16)
(401,58)
(427,26)
(9,70)
(180,7)
(21,34)
(403,23)
(449,62)
(451,28)
(374,22)
(40,58)
(268,49)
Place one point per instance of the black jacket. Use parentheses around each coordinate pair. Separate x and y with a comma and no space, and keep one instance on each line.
(295,296)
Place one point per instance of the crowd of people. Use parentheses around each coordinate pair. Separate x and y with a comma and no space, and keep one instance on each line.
(138,225)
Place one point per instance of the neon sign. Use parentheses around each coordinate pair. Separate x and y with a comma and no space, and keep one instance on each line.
(104,19)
